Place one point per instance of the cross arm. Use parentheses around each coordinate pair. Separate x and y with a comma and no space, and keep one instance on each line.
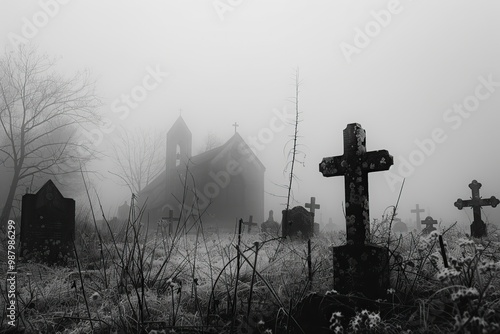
(460,204)
(376,161)
(492,201)
(333,166)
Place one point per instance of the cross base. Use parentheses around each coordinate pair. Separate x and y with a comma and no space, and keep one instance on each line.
(362,269)
(478,229)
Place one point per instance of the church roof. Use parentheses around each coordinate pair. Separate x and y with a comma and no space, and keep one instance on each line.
(179,124)
(156,188)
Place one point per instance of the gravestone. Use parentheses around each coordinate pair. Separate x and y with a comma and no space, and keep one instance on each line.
(359,267)
(398,226)
(312,209)
(478,227)
(297,223)
(417,211)
(429,225)
(170,221)
(330,227)
(249,224)
(270,225)
(47,226)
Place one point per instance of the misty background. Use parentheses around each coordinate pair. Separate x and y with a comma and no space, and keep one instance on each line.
(235,61)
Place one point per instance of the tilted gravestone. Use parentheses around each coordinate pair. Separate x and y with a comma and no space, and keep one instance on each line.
(47,226)
(429,225)
(417,211)
(270,225)
(297,222)
(478,227)
(359,267)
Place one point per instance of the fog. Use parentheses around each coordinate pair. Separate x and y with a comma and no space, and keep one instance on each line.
(421,77)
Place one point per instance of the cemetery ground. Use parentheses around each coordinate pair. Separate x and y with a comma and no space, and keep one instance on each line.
(126,280)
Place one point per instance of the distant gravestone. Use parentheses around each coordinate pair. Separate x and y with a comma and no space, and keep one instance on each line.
(330,227)
(312,209)
(249,224)
(297,222)
(398,226)
(270,225)
(417,211)
(169,221)
(47,226)
(478,227)
(359,267)
(429,225)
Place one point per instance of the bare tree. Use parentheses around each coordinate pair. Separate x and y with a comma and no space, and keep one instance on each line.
(139,157)
(39,114)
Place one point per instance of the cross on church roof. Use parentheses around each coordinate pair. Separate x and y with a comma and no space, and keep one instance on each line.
(235,126)
(354,165)
(478,227)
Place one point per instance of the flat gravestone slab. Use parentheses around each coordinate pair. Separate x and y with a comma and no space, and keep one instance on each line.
(47,226)
(361,269)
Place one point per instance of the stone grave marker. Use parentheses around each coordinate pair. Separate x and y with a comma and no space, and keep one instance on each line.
(297,222)
(417,211)
(270,225)
(249,224)
(170,221)
(398,226)
(478,227)
(312,209)
(429,225)
(359,267)
(47,226)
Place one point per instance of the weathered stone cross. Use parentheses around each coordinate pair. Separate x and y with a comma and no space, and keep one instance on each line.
(170,220)
(429,224)
(312,209)
(355,164)
(235,126)
(417,210)
(249,223)
(478,227)
(312,206)
(358,267)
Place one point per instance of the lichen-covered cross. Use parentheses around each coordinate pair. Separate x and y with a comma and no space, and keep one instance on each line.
(354,165)
(478,227)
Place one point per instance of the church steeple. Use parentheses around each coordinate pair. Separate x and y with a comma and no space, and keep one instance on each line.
(179,145)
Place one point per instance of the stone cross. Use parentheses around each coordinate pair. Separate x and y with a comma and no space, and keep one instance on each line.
(417,211)
(359,267)
(429,222)
(312,206)
(235,126)
(170,220)
(312,209)
(249,223)
(478,227)
(355,164)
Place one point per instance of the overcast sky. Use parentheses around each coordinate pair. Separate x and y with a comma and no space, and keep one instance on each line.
(407,71)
